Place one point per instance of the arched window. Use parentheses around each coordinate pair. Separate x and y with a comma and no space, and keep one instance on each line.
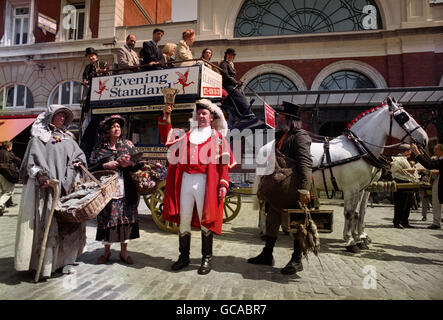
(68,93)
(346,79)
(16,96)
(270,82)
(285,17)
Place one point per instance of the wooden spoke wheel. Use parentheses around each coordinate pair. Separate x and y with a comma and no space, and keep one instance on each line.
(231,206)
(155,204)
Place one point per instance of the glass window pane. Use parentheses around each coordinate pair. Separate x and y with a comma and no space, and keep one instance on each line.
(346,80)
(66,90)
(10,97)
(25,30)
(270,82)
(77,94)
(277,17)
(17,30)
(80,25)
(20,96)
(29,99)
(21,11)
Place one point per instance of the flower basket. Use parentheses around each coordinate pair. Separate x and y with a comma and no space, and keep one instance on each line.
(147,178)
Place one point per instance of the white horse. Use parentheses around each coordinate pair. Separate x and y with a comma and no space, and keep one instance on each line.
(372,128)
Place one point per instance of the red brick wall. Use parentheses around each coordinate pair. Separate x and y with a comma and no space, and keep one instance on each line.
(412,69)
(158,10)
(2,17)
(50,9)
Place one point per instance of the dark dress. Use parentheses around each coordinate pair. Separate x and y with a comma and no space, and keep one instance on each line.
(118,221)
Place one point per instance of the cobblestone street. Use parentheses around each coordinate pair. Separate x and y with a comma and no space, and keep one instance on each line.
(407,264)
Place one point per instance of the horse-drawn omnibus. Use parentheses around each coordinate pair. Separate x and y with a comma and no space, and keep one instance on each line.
(138,97)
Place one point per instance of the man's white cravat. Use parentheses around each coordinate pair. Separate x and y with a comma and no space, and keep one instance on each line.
(200,135)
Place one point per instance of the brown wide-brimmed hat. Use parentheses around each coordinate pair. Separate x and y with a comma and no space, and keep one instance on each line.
(111,119)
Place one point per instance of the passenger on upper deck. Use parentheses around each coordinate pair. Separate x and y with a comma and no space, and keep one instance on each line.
(182,52)
(232,86)
(206,56)
(95,68)
(127,57)
(168,54)
(151,55)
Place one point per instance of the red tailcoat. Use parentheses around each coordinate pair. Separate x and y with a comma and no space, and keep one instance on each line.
(219,160)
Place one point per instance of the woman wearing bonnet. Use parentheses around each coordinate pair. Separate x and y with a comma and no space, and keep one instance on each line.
(118,221)
(52,153)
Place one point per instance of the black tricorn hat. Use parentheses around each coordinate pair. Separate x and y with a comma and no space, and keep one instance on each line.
(289,109)
(90,50)
(231,51)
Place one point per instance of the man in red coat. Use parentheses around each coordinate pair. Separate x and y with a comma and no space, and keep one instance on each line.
(198,177)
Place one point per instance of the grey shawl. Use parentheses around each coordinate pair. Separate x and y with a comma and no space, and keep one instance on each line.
(66,241)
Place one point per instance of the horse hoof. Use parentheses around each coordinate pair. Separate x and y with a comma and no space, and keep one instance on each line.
(363,245)
(369,240)
(353,249)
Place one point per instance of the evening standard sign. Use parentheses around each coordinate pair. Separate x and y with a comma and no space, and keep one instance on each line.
(148,84)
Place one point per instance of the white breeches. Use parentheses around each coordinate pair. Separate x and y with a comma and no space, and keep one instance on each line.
(192,192)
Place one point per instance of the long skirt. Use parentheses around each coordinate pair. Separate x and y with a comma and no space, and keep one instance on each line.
(118,222)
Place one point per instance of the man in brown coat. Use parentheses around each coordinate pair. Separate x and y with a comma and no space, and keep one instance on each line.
(295,143)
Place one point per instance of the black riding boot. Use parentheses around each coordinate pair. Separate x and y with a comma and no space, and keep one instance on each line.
(265,257)
(184,248)
(205,267)
(294,265)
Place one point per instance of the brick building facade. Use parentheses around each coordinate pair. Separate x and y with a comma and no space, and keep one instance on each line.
(404,50)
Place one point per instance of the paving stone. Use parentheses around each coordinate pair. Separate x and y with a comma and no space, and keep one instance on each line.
(407,264)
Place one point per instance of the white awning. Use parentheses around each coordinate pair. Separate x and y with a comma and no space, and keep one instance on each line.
(407,96)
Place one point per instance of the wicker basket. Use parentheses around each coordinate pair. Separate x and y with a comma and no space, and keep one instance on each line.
(92,208)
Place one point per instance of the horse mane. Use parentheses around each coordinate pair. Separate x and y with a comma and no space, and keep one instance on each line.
(361,115)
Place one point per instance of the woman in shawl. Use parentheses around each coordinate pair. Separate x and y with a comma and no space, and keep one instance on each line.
(118,221)
(52,153)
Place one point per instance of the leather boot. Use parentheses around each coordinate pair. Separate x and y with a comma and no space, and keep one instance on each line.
(205,267)
(265,257)
(294,265)
(184,248)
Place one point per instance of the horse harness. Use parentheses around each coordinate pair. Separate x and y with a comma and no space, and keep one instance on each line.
(363,150)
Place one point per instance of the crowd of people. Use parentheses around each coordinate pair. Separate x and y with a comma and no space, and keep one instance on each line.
(196,182)
(196,185)
(152,57)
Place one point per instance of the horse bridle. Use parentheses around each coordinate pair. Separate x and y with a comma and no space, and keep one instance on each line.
(401,118)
